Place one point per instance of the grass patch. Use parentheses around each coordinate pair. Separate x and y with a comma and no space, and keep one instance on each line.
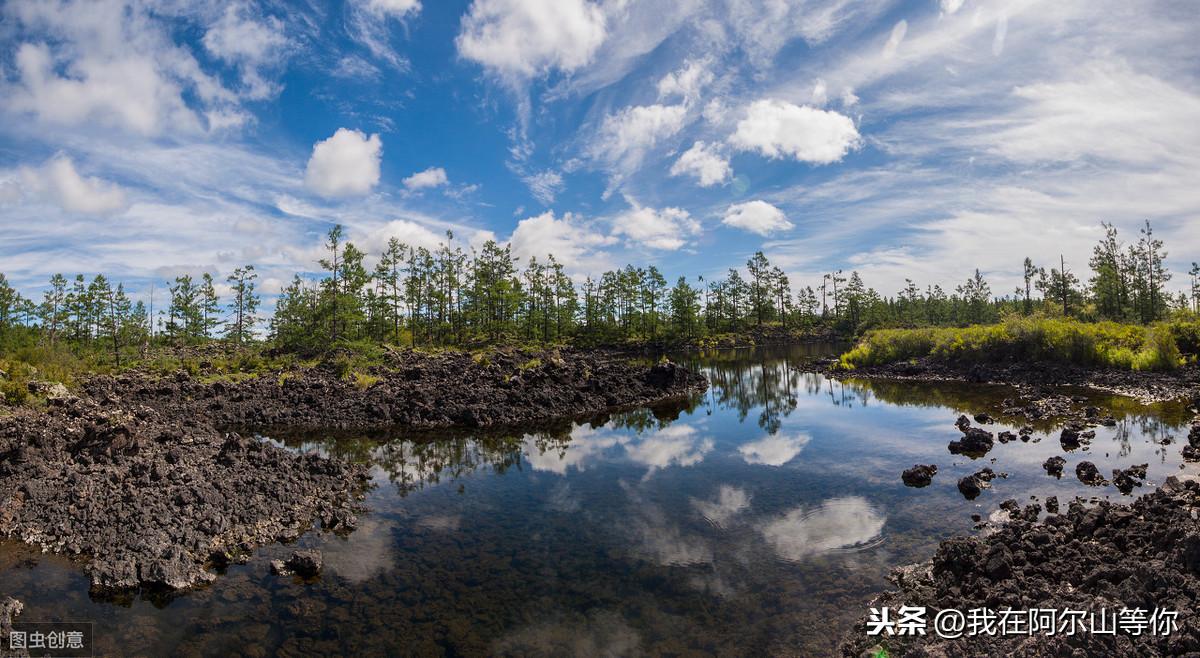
(364,380)
(1106,344)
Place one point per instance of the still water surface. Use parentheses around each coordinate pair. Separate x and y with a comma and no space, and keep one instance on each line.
(758,518)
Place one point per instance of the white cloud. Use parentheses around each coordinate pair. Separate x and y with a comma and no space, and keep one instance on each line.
(777,129)
(1000,36)
(763,27)
(568,239)
(367,23)
(687,82)
(398,8)
(666,229)
(705,163)
(431,177)
(894,39)
(115,64)
(250,44)
(838,524)
(1104,110)
(627,135)
(10,192)
(951,6)
(521,39)
(58,181)
(775,450)
(345,164)
(820,93)
(757,217)
(544,185)
(409,233)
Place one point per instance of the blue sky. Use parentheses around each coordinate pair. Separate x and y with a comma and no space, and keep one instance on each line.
(902,139)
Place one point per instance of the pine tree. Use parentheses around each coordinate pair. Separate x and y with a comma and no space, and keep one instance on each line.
(243,306)
(54,311)
(210,307)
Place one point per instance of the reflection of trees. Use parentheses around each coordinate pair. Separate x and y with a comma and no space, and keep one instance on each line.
(415,460)
(762,379)
(768,379)
(653,417)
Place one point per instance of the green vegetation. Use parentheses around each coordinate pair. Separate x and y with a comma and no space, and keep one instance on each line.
(1107,344)
(448,298)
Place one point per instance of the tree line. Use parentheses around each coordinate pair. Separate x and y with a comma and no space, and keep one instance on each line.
(447,296)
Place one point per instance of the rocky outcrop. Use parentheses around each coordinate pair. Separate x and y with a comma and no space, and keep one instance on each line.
(152,499)
(415,390)
(1142,555)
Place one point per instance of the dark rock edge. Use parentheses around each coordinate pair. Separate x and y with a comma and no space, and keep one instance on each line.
(136,476)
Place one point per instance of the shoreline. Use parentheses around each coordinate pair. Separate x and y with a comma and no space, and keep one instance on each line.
(139,476)
(1139,555)
(1143,386)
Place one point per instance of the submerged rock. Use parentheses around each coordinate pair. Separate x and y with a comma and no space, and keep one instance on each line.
(1089,474)
(1054,466)
(973,485)
(920,475)
(975,443)
(1126,480)
(303,563)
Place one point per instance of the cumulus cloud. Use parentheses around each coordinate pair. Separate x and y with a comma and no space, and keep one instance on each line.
(757,217)
(345,164)
(431,177)
(568,239)
(705,163)
(58,182)
(779,129)
(521,39)
(667,229)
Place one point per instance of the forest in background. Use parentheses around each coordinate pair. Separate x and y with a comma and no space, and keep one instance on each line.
(448,297)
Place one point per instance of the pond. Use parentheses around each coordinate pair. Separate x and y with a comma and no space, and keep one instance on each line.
(757,518)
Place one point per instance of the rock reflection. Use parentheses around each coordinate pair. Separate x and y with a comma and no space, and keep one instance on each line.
(837,525)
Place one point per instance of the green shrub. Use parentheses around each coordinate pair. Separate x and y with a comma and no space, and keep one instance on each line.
(1055,340)
(1160,351)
